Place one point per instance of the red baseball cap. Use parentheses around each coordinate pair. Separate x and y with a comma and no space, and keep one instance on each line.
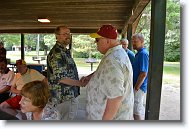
(106,31)
(20,62)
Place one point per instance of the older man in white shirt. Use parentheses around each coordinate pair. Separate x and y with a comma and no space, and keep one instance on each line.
(110,88)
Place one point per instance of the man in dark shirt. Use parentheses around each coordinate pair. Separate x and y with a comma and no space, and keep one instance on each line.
(2,50)
(61,66)
(125,43)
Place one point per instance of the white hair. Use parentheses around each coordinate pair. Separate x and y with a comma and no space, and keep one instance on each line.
(124,40)
(138,36)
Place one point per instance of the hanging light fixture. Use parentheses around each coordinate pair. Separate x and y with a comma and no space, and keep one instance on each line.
(43,20)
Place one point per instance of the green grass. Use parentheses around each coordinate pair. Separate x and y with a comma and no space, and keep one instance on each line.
(172,70)
(171,73)
(15,55)
(80,62)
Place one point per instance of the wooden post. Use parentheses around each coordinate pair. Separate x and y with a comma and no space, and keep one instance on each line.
(22,46)
(129,35)
(157,41)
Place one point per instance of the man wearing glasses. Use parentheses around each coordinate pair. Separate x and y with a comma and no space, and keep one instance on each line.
(60,66)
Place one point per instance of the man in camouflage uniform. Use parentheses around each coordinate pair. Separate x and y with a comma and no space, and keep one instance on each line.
(61,65)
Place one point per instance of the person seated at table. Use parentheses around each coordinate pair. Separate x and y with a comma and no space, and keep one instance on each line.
(23,76)
(6,78)
(34,102)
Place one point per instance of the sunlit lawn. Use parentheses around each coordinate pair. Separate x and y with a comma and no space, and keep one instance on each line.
(171,73)
(15,55)
(81,62)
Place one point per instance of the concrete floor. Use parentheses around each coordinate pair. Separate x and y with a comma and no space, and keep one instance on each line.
(82,105)
(170,101)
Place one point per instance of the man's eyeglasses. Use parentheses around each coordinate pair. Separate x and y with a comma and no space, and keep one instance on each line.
(97,40)
(65,34)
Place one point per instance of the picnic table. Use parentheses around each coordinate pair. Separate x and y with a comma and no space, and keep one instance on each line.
(91,61)
(38,59)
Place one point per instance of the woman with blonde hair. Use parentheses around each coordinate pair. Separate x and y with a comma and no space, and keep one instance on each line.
(35,102)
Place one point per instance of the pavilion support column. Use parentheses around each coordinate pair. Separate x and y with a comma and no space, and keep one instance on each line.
(129,35)
(22,46)
(157,41)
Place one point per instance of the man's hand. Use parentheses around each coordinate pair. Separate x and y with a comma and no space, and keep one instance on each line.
(84,80)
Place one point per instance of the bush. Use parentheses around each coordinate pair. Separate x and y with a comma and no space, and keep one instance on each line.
(173,56)
(80,54)
(96,55)
(84,54)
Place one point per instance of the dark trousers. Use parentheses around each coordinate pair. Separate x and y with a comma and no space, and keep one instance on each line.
(3,97)
(6,116)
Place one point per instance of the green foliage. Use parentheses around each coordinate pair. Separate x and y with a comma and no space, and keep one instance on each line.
(84,47)
(172,37)
(144,25)
(172,45)
(80,54)
(172,31)
(49,40)
(32,39)
(10,40)
(96,55)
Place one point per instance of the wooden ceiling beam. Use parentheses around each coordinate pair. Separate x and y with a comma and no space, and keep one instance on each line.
(66,17)
(138,7)
(48,31)
(65,2)
(77,14)
(76,25)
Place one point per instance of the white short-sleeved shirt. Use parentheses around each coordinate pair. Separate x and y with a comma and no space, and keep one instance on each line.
(6,79)
(113,78)
(29,76)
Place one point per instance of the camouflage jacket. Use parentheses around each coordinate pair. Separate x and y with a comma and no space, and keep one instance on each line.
(60,64)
